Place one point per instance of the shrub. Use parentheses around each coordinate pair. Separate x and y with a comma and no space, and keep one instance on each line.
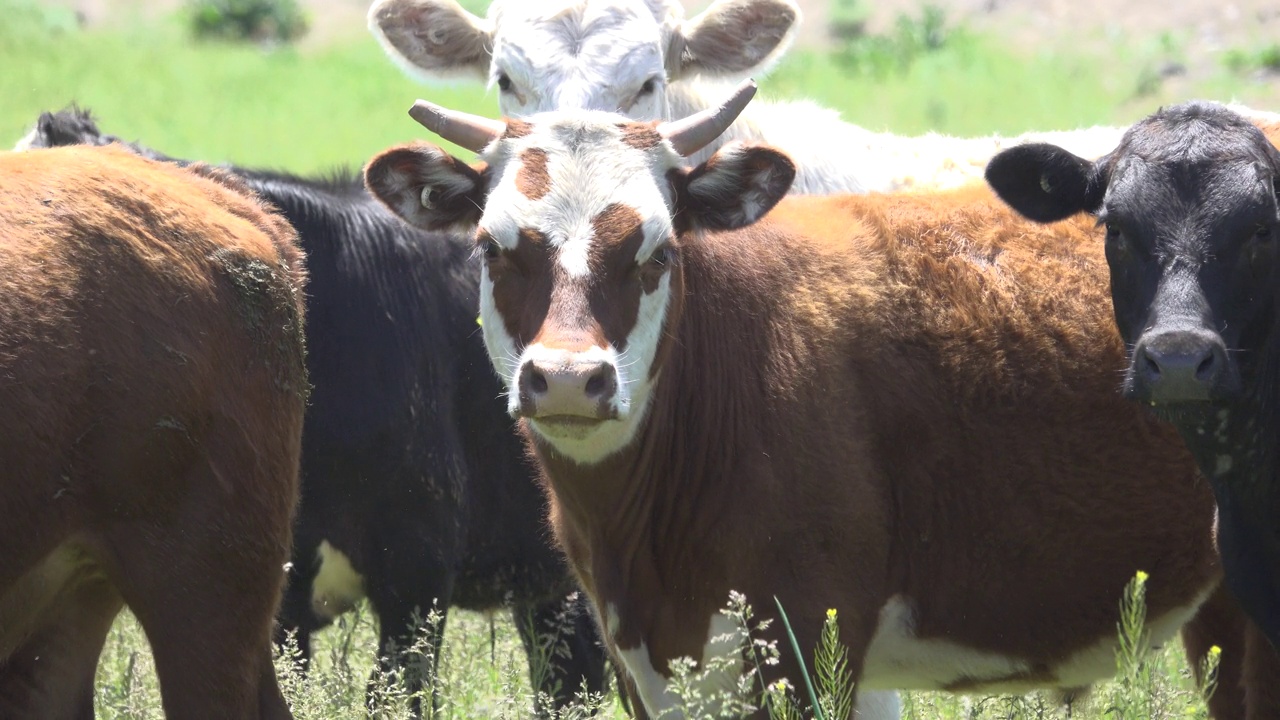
(257,20)
(910,39)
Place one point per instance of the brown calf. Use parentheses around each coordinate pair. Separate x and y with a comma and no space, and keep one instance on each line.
(151,399)
(901,407)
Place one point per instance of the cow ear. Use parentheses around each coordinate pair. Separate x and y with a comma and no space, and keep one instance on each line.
(734,187)
(1045,183)
(734,39)
(433,40)
(427,187)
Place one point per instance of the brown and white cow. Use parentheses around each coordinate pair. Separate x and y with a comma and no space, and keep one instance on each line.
(151,400)
(901,407)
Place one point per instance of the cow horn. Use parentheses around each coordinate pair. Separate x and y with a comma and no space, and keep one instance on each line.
(472,132)
(695,132)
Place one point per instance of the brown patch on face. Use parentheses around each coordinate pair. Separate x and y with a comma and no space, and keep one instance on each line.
(641,136)
(540,302)
(533,180)
(516,129)
(618,233)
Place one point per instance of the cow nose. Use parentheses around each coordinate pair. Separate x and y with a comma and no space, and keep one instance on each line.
(1180,366)
(582,389)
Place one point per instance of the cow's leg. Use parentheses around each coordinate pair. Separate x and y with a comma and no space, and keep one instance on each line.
(295,618)
(1261,675)
(204,574)
(51,676)
(207,603)
(409,583)
(1220,622)
(564,649)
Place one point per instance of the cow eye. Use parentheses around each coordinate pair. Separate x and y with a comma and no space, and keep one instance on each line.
(1116,238)
(504,82)
(429,197)
(648,86)
(492,250)
(1263,233)
(661,257)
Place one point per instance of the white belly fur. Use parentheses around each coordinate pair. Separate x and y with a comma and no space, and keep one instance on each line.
(660,702)
(24,603)
(337,586)
(898,659)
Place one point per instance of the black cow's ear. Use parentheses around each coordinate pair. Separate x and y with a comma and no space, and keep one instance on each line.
(427,187)
(1045,183)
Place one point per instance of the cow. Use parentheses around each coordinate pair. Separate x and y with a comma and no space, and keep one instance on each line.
(415,488)
(898,406)
(644,59)
(152,389)
(1187,203)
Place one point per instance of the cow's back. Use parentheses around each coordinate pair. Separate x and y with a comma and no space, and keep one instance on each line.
(147,292)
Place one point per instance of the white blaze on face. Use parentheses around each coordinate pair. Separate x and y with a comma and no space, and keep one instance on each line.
(573,54)
(590,169)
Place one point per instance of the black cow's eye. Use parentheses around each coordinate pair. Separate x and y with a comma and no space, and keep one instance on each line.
(504,82)
(1263,233)
(648,86)
(492,250)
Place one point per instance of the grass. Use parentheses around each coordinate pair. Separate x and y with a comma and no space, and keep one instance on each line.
(310,109)
(483,680)
(306,110)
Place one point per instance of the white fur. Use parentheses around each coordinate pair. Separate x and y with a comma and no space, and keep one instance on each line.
(897,658)
(337,586)
(721,643)
(601,61)
(25,143)
(653,685)
(590,169)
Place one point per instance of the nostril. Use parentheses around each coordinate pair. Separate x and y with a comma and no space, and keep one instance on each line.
(537,382)
(1150,367)
(1213,365)
(1206,368)
(595,383)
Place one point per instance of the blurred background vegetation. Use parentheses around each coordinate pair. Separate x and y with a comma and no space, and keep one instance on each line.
(302,85)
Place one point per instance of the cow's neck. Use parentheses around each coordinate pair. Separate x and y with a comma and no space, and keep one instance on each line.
(649,510)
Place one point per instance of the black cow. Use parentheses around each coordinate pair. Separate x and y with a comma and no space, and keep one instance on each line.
(1189,202)
(415,486)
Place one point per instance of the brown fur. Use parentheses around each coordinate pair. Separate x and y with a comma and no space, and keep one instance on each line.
(718,44)
(532,180)
(151,406)
(640,136)
(516,129)
(449,43)
(879,396)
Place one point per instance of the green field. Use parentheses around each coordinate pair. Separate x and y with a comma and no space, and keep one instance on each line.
(310,109)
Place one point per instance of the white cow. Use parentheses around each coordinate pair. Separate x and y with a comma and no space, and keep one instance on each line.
(642,58)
